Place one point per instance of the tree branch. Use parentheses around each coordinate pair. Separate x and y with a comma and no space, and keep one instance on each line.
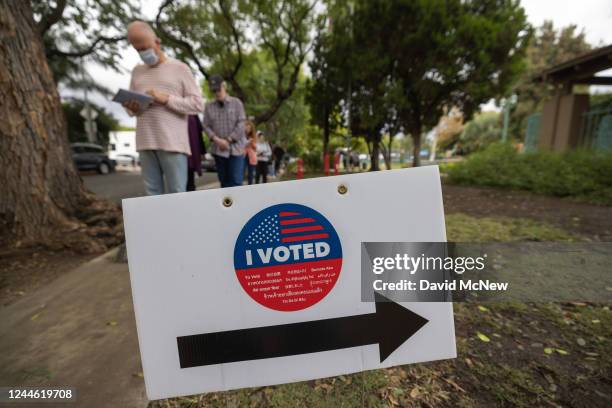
(85,51)
(181,43)
(47,21)
(283,93)
(236,37)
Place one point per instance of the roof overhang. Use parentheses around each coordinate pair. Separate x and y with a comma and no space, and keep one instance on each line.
(580,70)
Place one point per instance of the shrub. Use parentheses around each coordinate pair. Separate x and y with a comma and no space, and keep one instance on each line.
(482,131)
(586,174)
(313,162)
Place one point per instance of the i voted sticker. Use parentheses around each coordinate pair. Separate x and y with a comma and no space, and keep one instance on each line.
(288,257)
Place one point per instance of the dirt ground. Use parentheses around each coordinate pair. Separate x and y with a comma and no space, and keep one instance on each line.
(591,221)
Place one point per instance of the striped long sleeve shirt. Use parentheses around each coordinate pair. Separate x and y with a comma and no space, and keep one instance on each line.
(164,127)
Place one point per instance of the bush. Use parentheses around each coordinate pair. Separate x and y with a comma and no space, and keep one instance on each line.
(313,162)
(479,133)
(584,174)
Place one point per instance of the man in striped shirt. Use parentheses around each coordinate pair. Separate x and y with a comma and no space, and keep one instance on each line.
(161,128)
(224,124)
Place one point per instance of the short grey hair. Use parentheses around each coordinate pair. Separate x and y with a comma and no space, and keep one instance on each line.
(141,25)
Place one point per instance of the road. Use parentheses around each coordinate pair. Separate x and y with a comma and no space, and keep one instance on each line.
(126,183)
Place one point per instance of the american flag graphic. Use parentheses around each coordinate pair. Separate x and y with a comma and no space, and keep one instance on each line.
(286,226)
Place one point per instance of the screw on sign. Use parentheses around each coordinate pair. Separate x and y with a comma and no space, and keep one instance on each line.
(288,257)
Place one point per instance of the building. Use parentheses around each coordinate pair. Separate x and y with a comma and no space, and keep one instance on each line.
(566,120)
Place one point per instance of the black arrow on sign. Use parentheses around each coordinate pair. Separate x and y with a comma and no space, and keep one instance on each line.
(390,326)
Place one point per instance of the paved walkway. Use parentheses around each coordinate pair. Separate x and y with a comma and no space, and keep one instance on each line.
(78,331)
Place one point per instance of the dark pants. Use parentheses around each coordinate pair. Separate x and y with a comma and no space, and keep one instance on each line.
(190,180)
(277,164)
(250,170)
(230,170)
(261,171)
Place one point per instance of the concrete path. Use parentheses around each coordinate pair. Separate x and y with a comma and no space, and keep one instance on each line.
(78,331)
(127,184)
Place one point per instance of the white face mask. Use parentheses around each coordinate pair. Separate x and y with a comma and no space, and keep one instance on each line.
(149,56)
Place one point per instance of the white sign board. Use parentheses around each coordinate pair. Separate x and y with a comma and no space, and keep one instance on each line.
(267,290)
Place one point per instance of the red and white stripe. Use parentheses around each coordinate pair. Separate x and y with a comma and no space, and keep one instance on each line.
(299,229)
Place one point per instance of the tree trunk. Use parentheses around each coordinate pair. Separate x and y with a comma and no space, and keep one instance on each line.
(326,132)
(369,146)
(387,153)
(416,148)
(434,146)
(374,157)
(41,194)
(383,150)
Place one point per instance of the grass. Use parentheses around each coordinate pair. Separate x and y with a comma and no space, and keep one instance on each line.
(463,228)
(580,174)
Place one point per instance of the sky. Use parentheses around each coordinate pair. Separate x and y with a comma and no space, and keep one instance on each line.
(594,16)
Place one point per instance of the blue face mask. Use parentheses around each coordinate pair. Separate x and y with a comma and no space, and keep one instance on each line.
(149,56)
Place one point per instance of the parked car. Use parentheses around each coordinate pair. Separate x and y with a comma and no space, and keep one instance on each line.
(125,159)
(89,156)
(208,163)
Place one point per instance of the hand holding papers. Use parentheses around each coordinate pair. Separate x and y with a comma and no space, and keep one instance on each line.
(134,101)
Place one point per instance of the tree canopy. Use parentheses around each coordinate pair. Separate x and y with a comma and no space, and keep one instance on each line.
(217,37)
(76,29)
(213,36)
(411,60)
(329,76)
(483,130)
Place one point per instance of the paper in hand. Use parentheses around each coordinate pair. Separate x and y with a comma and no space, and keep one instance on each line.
(123,95)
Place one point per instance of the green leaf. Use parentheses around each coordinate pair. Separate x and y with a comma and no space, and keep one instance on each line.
(548,350)
(483,337)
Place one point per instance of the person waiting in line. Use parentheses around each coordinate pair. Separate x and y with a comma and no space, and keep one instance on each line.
(161,128)
(278,153)
(264,153)
(224,124)
(194,164)
(251,150)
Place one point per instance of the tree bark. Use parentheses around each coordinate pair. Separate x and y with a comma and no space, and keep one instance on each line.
(41,194)
(387,150)
(374,157)
(416,146)
(325,132)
